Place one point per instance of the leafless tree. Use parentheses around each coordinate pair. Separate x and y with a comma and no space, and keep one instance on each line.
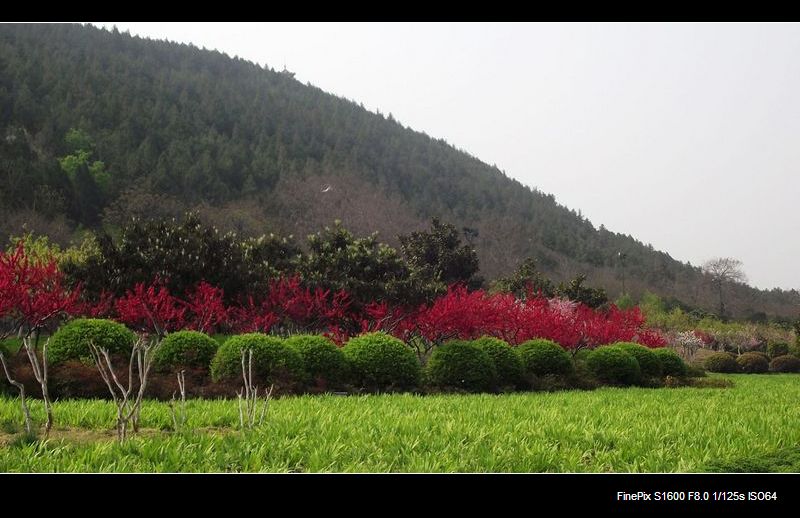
(722,271)
(248,396)
(127,409)
(39,369)
(179,416)
(40,373)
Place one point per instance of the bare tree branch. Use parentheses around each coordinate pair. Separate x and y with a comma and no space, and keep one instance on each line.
(40,373)
(722,271)
(127,410)
(179,417)
(248,396)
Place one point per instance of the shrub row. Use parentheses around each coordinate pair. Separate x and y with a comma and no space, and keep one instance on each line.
(542,363)
(375,361)
(378,361)
(626,363)
(752,362)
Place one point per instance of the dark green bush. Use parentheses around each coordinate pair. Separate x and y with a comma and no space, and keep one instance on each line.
(381,361)
(461,365)
(753,363)
(273,360)
(721,362)
(776,349)
(185,349)
(542,357)
(184,253)
(649,361)
(324,362)
(785,363)
(71,341)
(581,355)
(695,370)
(584,378)
(507,364)
(760,354)
(613,365)
(671,363)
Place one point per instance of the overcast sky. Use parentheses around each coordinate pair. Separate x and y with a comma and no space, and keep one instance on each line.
(686,136)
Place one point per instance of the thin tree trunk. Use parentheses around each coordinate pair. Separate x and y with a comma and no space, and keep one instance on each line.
(40,373)
(25,410)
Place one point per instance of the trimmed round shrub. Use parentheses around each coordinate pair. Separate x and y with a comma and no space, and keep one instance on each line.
(785,363)
(185,349)
(71,341)
(695,370)
(273,360)
(671,363)
(581,355)
(323,361)
(763,355)
(542,357)
(721,362)
(776,349)
(613,365)
(381,361)
(649,362)
(752,363)
(507,364)
(460,364)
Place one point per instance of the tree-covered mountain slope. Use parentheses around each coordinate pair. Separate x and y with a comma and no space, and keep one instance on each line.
(98,126)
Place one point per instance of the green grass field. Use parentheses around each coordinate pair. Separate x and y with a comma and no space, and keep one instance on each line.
(607,430)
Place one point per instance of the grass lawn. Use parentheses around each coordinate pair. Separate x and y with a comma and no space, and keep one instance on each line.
(752,425)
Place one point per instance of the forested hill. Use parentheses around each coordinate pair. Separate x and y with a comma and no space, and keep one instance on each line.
(98,126)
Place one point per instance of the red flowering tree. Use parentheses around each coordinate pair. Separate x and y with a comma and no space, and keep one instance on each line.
(151,309)
(290,306)
(205,308)
(33,296)
(252,317)
(468,315)
(103,307)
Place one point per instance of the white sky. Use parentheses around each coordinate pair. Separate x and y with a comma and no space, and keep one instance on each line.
(686,136)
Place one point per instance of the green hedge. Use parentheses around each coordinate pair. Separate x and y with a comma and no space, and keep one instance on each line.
(461,365)
(71,341)
(785,363)
(695,370)
(273,360)
(761,354)
(649,361)
(776,349)
(752,363)
(507,364)
(324,362)
(543,357)
(613,365)
(671,363)
(721,362)
(184,349)
(380,361)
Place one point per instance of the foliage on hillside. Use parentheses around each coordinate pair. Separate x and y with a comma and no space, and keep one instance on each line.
(99,126)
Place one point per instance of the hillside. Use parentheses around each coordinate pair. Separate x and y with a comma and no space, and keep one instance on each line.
(167,127)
